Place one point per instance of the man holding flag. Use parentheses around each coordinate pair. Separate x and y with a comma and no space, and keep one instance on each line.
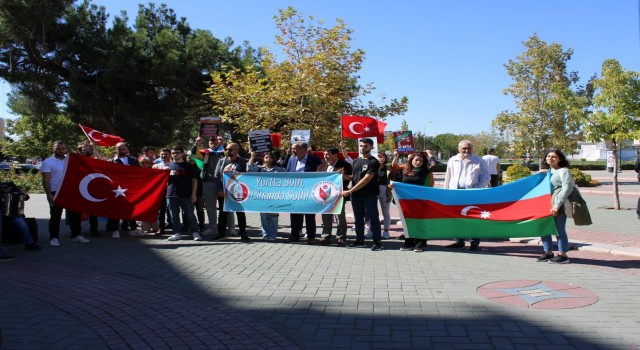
(466,170)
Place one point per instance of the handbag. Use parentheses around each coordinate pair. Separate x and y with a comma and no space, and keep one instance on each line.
(581,215)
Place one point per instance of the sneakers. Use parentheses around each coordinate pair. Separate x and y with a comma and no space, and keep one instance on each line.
(244,238)
(367,232)
(7,257)
(196,236)
(455,245)
(232,232)
(293,239)
(376,247)
(341,242)
(559,259)
(357,244)
(137,232)
(175,237)
(54,242)
(419,247)
(401,237)
(406,249)
(115,234)
(385,235)
(326,240)
(80,239)
(545,257)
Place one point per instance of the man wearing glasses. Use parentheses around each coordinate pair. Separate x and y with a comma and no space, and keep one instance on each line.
(466,170)
(181,193)
(231,162)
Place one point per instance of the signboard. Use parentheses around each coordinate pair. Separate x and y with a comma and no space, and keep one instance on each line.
(209,127)
(260,140)
(403,141)
(300,136)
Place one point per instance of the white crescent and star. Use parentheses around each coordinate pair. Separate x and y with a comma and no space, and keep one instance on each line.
(353,131)
(84,187)
(484,214)
(90,134)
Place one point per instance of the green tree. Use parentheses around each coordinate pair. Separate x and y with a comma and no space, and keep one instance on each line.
(314,83)
(549,111)
(33,133)
(617,111)
(123,80)
(447,144)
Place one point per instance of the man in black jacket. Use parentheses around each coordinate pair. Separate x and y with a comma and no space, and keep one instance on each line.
(232,162)
(302,162)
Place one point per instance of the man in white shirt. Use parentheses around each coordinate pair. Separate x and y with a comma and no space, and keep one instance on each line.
(466,170)
(52,170)
(493,163)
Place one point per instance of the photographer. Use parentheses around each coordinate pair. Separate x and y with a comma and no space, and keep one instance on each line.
(16,222)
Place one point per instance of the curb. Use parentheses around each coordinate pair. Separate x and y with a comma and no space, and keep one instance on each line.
(587,247)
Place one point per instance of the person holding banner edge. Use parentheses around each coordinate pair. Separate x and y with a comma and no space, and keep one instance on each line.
(334,164)
(364,195)
(302,162)
(230,163)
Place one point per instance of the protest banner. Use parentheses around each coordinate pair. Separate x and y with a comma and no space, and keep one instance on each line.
(304,193)
(260,140)
(300,136)
(209,127)
(403,141)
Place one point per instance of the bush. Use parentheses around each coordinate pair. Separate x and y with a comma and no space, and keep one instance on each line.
(517,171)
(28,182)
(580,178)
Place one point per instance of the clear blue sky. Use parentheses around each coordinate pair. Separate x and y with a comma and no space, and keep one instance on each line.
(446,56)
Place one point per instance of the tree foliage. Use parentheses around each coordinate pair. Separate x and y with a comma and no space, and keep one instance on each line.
(617,111)
(145,83)
(550,104)
(309,88)
(447,144)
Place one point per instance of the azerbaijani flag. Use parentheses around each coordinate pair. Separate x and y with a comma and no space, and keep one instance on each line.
(517,209)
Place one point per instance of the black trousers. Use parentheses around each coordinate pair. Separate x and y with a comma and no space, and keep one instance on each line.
(296,225)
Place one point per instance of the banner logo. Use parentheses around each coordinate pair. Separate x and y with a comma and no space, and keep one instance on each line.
(325,192)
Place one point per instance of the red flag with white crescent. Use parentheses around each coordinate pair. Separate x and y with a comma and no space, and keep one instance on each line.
(100,138)
(116,191)
(355,127)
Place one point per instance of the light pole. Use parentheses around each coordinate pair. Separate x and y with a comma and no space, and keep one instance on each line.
(424,136)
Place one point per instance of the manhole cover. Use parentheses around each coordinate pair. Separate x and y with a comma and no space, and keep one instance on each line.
(538,294)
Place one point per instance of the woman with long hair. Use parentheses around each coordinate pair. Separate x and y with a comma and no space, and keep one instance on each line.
(561,187)
(416,172)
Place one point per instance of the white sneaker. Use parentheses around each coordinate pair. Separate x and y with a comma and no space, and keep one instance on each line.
(137,232)
(54,242)
(385,235)
(175,237)
(232,232)
(80,239)
(196,236)
(115,234)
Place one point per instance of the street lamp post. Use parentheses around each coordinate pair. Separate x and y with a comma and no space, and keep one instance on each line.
(424,136)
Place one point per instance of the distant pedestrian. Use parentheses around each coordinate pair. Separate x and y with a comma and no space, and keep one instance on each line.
(493,163)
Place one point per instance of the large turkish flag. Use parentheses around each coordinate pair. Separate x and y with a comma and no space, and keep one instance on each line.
(116,191)
(354,126)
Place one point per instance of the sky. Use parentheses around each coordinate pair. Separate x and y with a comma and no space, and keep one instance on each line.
(446,56)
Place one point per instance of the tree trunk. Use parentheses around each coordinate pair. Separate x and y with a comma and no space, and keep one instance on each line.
(616,195)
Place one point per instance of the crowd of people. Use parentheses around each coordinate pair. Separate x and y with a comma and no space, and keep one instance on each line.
(367,181)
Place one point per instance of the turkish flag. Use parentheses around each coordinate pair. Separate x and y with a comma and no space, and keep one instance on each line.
(100,138)
(355,127)
(116,191)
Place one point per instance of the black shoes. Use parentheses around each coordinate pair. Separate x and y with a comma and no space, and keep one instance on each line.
(455,245)
(245,238)
(293,239)
(545,257)
(34,247)
(472,248)
(376,247)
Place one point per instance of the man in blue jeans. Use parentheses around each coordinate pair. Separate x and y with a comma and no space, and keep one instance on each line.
(181,193)
(364,195)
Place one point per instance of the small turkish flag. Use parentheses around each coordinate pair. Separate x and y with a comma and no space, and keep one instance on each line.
(116,191)
(354,126)
(100,138)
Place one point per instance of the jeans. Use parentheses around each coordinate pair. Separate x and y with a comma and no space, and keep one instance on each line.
(385,206)
(210,193)
(269,225)
(563,240)
(55,213)
(366,207)
(184,203)
(20,225)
